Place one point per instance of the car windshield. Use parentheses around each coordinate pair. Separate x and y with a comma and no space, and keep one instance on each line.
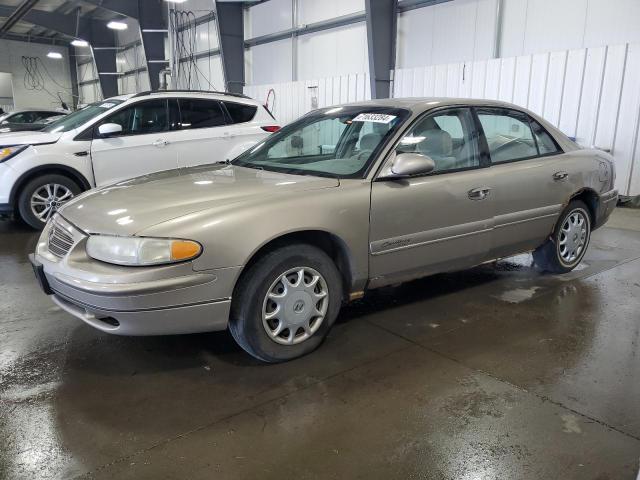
(80,117)
(336,142)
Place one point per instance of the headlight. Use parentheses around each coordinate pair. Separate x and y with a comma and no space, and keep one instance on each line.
(7,152)
(141,250)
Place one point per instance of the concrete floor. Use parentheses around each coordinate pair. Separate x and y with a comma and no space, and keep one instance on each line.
(496,372)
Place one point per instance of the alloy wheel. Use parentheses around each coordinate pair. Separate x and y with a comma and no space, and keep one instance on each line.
(48,198)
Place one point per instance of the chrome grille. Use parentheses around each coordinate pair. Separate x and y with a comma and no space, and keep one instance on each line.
(60,241)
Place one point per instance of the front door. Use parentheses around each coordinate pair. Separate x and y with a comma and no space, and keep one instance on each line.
(145,145)
(437,222)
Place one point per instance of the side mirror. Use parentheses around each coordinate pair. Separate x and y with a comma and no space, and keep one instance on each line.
(409,164)
(109,129)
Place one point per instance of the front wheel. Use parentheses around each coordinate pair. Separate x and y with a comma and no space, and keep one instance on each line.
(286,303)
(42,196)
(565,248)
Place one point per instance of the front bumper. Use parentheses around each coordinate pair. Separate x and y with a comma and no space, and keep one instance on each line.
(163,300)
(606,205)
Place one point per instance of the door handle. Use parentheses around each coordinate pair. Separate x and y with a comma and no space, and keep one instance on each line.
(479,193)
(560,175)
(160,143)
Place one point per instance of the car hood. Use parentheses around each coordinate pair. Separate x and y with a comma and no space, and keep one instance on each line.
(28,138)
(131,206)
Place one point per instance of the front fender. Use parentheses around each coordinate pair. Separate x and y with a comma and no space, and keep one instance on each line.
(232,234)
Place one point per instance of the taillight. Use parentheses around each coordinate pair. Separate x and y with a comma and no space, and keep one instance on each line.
(271,128)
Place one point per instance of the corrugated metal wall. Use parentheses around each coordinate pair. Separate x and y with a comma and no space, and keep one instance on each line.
(591,94)
(294,99)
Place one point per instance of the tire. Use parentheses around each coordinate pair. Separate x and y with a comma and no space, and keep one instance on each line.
(250,306)
(65,189)
(555,255)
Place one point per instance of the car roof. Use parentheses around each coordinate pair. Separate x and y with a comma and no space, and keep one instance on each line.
(31,109)
(420,104)
(239,98)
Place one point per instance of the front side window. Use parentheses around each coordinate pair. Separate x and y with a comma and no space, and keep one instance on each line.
(240,113)
(196,113)
(338,142)
(446,137)
(24,117)
(510,136)
(141,118)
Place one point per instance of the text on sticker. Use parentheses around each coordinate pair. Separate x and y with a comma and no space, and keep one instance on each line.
(374,117)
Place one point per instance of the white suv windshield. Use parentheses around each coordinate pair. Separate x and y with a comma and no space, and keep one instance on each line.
(79,118)
(337,142)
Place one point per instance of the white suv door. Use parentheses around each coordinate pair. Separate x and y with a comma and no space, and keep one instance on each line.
(145,145)
(210,133)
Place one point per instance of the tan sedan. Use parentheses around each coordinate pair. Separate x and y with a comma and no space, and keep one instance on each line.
(343,200)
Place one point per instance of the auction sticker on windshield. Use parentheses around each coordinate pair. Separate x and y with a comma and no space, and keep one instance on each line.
(374,117)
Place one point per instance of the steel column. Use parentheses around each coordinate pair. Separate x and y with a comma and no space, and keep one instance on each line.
(153,28)
(103,46)
(231,33)
(381,42)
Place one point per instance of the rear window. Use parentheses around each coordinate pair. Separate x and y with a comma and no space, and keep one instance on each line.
(195,113)
(241,113)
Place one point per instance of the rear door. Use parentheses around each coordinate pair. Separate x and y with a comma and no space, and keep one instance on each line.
(247,130)
(436,222)
(204,132)
(529,184)
(145,144)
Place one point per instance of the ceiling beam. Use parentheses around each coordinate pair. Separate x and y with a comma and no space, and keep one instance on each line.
(64,24)
(128,8)
(16,15)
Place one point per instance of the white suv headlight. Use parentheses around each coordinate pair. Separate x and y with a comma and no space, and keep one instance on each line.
(8,152)
(141,250)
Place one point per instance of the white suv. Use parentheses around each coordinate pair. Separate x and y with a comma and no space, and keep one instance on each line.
(123,137)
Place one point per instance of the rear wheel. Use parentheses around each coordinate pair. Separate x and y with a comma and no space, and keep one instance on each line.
(564,250)
(286,303)
(41,197)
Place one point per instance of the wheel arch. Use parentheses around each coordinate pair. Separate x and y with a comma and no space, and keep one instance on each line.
(336,248)
(591,199)
(29,175)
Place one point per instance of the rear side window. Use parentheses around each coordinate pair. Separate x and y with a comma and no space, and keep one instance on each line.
(240,113)
(546,143)
(196,113)
(508,135)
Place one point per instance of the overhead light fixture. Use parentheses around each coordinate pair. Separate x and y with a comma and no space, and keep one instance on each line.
(55,55)
(79,43)
(175,1)
(117,25)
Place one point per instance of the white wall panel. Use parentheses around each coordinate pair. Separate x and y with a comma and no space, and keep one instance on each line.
(338,51)
(311,11)
(555,87)
(269,17)
(534,26)
(446,32)
(574,78)
(269,63)
(294,99)
(591,94)
(538,83)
